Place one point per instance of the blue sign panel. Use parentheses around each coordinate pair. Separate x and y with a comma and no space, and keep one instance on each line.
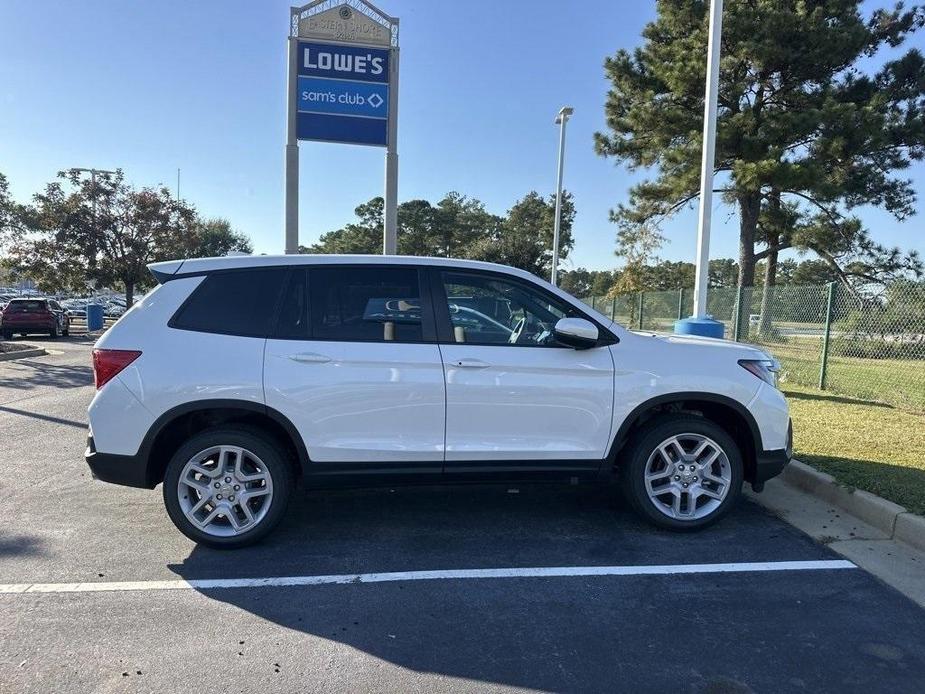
(343,62)
(342,93)
(342,97)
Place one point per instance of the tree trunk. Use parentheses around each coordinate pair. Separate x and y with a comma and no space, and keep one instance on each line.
(129,294)
(770,281)
(770,266)
(749,208)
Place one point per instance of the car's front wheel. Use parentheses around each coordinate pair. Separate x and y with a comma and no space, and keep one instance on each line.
(227,488)
(684,472)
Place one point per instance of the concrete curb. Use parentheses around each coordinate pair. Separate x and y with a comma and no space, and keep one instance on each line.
(891,519)
(19,354)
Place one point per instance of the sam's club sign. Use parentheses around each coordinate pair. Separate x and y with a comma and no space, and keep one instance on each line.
(342,93)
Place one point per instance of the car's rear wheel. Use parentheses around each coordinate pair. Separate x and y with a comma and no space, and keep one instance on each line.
(227,488)
(684,472)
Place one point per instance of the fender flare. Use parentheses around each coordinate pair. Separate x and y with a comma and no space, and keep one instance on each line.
(637,412)
(171,415)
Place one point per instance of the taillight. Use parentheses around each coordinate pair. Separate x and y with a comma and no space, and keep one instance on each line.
(107,363)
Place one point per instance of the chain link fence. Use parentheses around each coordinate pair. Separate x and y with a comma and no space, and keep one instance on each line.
(867,344)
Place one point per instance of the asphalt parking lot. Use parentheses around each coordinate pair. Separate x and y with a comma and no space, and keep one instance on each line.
(821,629)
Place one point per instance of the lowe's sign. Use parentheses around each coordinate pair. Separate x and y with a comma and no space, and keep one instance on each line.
(342,93)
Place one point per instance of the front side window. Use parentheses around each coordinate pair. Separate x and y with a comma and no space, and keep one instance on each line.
(365,304)
(485,309)
(238,302)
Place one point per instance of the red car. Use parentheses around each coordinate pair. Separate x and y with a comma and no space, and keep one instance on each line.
(26,316)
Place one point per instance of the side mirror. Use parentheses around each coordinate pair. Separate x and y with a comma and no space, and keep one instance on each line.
(576,332)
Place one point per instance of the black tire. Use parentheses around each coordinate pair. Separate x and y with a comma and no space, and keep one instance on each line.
(255,441)
(645,442)
(66,332)
(53,333)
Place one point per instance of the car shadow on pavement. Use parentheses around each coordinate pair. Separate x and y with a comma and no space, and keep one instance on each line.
(30,374)
(573,634)
(20,546)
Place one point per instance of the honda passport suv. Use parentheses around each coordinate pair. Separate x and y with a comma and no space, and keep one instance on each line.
(239,378)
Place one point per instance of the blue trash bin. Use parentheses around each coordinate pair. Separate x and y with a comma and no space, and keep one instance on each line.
(704,327)
(95,317)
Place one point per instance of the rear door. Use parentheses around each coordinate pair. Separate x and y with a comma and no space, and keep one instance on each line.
(516,399)
(355,366)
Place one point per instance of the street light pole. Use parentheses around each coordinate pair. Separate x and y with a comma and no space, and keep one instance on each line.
(561,120)
(93,173)
(702,272)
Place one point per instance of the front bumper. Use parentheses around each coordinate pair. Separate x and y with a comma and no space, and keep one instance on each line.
(127,470)
(770,464)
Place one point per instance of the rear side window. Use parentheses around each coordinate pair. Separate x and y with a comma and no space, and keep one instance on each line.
(26,306)
(241,302)
(365,304)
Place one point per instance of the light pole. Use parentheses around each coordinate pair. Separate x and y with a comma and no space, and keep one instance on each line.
(700,323)
(93,172)
(561,120)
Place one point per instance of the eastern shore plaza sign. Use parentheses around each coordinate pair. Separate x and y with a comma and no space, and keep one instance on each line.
(342,87)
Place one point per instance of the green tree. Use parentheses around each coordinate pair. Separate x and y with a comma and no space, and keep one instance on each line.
(804,132)
(106,234)
(524,238)
(214,237)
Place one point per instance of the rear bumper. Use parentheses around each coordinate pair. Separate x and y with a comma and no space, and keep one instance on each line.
(770,464)
(127,470)
(30,327)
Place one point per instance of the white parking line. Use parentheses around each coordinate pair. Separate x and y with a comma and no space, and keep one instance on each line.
(449,574)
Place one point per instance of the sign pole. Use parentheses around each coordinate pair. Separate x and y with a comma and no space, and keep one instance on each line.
(292,147)
(390,211)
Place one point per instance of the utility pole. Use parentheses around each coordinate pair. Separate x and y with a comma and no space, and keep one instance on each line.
(561,120)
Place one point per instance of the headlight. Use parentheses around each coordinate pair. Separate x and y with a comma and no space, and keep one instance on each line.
(765,369)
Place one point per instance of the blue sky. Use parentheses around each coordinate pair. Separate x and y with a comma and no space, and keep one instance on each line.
(150,87)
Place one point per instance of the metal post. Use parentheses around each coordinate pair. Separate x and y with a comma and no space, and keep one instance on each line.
(824,362)
(561,120)
(642,303)
(681,303)
(613,308)
(706,165)
(593,300)
(292,150)
(390,210)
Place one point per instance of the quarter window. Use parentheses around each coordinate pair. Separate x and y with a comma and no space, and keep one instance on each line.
(365,304)
(240,302)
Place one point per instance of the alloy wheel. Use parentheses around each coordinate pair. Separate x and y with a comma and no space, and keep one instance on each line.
(225,491)
(688,476)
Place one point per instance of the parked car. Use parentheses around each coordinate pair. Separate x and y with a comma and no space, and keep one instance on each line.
(237,378)
(26,316)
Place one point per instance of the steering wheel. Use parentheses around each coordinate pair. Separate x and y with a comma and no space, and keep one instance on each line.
(517,331)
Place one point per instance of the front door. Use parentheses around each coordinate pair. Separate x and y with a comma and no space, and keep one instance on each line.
(516,399)
(354,365)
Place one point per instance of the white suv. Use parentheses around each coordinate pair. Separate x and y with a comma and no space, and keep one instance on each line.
(238,378)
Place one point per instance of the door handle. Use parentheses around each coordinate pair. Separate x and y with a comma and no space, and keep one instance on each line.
(310,358)
(471,364)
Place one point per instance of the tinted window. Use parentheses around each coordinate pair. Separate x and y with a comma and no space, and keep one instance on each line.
(19,306)
(365,304)
(293,310)
(242,302)
(485,309)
